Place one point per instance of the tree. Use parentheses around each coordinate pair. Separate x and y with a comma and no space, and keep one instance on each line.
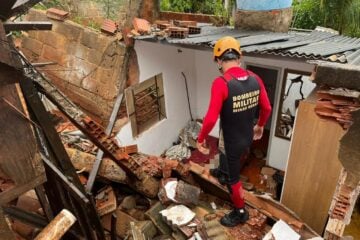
(341,15)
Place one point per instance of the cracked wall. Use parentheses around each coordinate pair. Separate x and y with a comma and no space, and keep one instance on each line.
(88,65)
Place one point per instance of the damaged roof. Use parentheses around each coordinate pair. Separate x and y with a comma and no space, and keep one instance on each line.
(315,45)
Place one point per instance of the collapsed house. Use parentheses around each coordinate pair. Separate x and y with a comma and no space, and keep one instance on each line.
(172,68)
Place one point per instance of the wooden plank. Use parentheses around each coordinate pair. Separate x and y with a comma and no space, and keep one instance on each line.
(26,26)
(19,160)
(15,192)
(313,167)
(60,158)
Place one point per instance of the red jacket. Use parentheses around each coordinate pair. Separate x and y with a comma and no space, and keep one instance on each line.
(219,93)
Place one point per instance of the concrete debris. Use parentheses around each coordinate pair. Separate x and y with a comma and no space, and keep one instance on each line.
(167,190)
(123,227)
(143,230)
(214,230)
(281,231)
(187,138)
(108,169)
(180,192)
(178,215)
(187,194)
(156,218)
(178,152)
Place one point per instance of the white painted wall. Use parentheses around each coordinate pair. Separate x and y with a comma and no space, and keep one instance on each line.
(278,150)
(198,66)
(294,92)
(206,71)
(157,58)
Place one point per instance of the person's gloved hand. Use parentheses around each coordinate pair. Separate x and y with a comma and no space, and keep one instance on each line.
(202,147)
(258,132)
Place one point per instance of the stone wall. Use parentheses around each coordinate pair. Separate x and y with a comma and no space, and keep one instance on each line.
(90,66)
(273,20)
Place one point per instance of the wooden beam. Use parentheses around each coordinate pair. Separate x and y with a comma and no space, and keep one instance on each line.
(15,192)
(61,159)
(26,26)
(5,231)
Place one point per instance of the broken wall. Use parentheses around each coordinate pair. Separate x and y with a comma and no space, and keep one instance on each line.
(88,64)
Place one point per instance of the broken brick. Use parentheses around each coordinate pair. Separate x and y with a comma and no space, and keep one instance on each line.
(178,32)
(56,14)
(105,201)
(108,26)
(142,26)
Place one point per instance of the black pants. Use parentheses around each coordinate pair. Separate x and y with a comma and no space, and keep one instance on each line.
(231,162)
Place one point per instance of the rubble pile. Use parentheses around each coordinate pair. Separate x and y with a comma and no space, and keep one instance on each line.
(338,104)
(163,198)
(164,28)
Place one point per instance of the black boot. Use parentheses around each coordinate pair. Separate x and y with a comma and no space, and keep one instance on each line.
(222,178)
(235,217)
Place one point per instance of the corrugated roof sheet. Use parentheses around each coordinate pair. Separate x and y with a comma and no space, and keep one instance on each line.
(316,44)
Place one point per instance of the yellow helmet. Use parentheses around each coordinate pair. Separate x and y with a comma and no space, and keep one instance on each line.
(224,44)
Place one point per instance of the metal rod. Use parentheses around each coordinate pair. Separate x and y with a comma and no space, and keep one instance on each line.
(187,94)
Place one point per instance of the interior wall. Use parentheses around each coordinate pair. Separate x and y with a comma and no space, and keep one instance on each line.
(206,71)
(157,58)
(278,150)
(200,70)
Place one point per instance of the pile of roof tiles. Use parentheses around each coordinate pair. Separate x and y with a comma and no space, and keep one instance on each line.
(172,29)
(338,105)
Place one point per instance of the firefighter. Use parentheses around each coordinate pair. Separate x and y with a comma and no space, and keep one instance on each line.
(236,96)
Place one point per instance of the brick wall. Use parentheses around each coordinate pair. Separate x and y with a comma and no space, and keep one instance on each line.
(204,18)
(89,64)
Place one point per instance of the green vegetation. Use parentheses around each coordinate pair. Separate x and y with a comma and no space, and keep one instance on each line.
(213,7)
(341,15)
